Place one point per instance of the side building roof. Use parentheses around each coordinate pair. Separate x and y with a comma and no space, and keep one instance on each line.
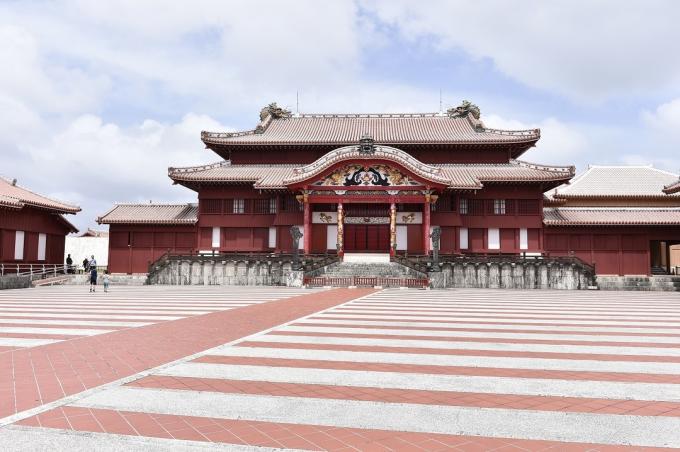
(16,197)
(610,216)
(151,214)
(617,182)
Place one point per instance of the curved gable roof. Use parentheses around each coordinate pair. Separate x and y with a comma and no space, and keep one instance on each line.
(352,153)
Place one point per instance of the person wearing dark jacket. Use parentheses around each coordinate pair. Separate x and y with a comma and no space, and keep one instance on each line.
(93,278)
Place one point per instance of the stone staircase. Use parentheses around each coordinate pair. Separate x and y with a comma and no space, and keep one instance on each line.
(646,283)
(384,274)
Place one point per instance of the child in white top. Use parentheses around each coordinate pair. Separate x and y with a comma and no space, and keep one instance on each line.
(106,281)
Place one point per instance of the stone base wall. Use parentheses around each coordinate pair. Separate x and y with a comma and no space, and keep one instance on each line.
(115,279)
(660,283)
(225,273)
(495,275)
(14,282)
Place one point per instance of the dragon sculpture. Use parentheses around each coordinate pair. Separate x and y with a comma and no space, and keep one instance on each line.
(275,112)
(463,110)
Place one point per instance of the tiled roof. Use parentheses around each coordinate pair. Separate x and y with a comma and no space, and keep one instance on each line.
(151,214)
(15,196)
(514,171)
(460,176)
(11,203)
(94,233)
(262,176)
(594,216)
(616,182)
(344,129)
(672,188)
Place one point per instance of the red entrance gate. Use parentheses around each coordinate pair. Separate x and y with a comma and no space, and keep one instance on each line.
(367,238)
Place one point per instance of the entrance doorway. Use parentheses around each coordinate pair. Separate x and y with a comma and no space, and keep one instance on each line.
(373,238)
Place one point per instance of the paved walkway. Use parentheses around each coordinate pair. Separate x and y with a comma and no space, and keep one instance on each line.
(389,370)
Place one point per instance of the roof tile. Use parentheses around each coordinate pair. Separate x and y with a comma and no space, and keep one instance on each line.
(12,195)
(593,216)
(151,214)
(384,128)
(616,182)
(462,176)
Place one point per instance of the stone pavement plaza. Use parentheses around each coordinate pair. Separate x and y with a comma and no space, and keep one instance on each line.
(248,369)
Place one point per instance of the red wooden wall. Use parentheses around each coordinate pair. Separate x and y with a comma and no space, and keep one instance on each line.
(33,222)
(133,247)
(613,250)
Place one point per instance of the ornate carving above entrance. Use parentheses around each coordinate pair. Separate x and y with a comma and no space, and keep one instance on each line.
(367,220)
(367,175)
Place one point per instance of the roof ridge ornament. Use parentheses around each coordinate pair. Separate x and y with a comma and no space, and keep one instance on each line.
(463,110)
(275,112)
(367,144)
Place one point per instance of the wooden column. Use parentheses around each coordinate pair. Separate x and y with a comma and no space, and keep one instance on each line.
(426,225)
(340,241)
(393,229)
(307,233)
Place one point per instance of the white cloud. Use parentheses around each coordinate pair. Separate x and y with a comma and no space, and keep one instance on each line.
(95,163)
(560,143)
(588,51)
(665,118)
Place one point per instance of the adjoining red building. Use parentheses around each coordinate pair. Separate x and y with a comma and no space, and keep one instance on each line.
(622,219)
(32,226)
(354,183)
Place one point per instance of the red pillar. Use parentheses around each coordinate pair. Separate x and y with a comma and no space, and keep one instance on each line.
(426,226)
(341,231)
(393,229)
(307,233)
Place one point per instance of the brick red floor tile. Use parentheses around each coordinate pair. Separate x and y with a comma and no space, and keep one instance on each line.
(90,361)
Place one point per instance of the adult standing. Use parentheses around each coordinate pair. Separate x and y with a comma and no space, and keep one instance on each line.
(93,278)
(69,264)
(93,262)
(86,265)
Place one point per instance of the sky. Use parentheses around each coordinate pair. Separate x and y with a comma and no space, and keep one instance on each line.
(99,98)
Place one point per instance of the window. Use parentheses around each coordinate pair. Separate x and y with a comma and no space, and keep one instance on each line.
(494,236)
(527,206)
(445,204)
(211,206)
(499,206)
(272,205)
(290,204)
(19,245)
(215,237)
(239,206)
(463,206)
(463,238)
(272,235)
(523,239)
(42,246)
(259,205)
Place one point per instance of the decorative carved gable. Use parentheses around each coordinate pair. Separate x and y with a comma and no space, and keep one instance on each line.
(367,175)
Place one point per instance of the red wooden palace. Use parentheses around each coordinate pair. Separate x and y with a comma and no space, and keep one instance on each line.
(380,183)
(32,227)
